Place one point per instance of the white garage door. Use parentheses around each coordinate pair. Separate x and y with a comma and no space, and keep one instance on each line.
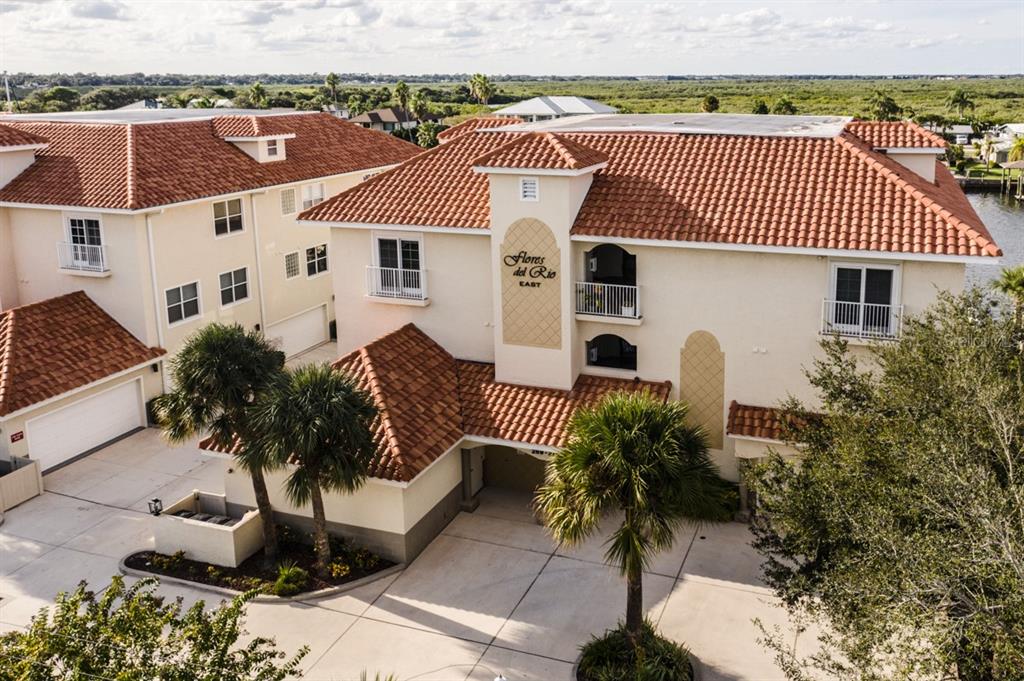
(84,425)
(301,332)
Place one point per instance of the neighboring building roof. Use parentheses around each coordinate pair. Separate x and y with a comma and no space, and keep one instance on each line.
(477,123)
(780,190)
(245,126)
(57,345)
(746,420)
(12,137)
(391,114)
(142,165)
(896,135)
(556,106)
(542,151)
(530,414)
(427,401)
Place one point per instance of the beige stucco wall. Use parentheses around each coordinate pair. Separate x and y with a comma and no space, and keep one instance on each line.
(458,285)
(8,276)
(151,387)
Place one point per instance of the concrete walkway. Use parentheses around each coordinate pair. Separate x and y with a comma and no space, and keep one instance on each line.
(491,594)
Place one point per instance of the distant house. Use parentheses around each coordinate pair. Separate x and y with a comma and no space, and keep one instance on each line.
(545,108)
(391,118)
(148,103)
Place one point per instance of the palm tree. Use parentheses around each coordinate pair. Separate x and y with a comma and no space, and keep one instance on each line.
(420,105)
(1011,283)
(883,107)
(481,87)
(258,95)
(331,83)
(1017,150)
(988,150)
(218,375)
(959,100)
(319,421)
(635,454)
(402,96)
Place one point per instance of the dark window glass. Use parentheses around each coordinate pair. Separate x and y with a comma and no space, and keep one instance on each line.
(387,250)
(410,255)
(612,351)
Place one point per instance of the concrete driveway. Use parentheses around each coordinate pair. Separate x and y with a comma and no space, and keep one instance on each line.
(491,594)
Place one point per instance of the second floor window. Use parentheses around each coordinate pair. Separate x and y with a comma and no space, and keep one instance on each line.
(609,350)
(182,302)
(316,260)
(234,286)
(312,194)
(227,217)
(862,300)
(271,147)
(287,201)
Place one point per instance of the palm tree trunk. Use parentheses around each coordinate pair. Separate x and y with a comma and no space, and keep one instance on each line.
(259,488)
(321,541)
(634,604)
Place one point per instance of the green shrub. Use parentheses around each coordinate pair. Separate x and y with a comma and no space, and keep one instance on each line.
(291,579)
(339,569)
(171,563)
(612,657)
(365,559)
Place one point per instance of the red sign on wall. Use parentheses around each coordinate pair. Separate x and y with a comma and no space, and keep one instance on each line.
(18,437)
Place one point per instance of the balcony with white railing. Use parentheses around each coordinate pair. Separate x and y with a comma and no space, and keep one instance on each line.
(612,301)
(393,284)
(84,258)
(861,320)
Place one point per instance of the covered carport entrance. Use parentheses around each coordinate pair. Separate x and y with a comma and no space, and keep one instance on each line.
(502,467)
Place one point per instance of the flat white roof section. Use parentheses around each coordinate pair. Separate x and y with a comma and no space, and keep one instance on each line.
(145,115)
(555,106)
(693,124)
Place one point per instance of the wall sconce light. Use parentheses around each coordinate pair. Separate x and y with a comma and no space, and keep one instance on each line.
(156,506)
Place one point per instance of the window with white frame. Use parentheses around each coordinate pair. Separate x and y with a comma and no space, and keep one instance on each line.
(399,270)
(312,194)
(287,201)
(529,189)
(85,242)
(316,260)
(291,265)
(862,299)
(234,286)
(227,217)
(271,147)
(182,302)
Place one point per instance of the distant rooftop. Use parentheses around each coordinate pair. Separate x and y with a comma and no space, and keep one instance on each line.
(694,124)
(555,106)
(143,115)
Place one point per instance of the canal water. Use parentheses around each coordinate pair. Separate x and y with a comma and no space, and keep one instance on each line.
(1004,218)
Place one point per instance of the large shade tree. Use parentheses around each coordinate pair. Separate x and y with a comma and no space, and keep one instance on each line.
(634,454)
(218,375)
(318,423)
(901,530)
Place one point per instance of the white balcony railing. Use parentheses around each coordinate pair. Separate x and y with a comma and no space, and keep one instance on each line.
(393,282)
(607,300)
(82,257)
(861,320)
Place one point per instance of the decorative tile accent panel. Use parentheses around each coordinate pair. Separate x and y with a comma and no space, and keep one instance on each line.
(531,296)
(702,384)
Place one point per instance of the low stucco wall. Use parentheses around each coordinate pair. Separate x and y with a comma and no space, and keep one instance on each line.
(393,520)
(222,545)
(20,485)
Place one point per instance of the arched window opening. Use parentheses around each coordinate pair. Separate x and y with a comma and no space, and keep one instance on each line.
(609,350)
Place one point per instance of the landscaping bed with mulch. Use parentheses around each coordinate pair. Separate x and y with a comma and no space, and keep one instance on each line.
(291,575)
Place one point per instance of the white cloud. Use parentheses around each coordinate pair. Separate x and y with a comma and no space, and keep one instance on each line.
(107,10)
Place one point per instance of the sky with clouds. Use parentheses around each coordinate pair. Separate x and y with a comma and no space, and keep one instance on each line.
(588,37)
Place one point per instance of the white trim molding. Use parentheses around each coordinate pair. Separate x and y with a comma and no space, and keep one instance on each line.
(476,231)
(541,171)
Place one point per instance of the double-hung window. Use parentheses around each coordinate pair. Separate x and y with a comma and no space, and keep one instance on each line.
(399,271)
(316,260)
(234,286)
(312,194)
(227,217)
(182,302)
(863,301)
(271,147)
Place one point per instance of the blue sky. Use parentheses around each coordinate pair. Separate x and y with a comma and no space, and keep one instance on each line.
(587,37)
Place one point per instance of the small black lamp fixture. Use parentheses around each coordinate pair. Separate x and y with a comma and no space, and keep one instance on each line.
(156,506)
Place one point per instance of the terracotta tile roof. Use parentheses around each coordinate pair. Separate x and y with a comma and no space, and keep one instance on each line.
(57,345)
(530,414)
(131,166)
(477,123)
(427,401)
(414,384)
(12,137)
(237,126)
(819,193)
(749,421)
(542,150)
(895,135)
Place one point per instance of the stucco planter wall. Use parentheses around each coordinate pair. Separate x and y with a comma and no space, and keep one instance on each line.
(20,480)
(225,545)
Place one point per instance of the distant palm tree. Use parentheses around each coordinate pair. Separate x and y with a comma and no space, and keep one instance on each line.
(318,420)
(883,107)
(1011,283)
(1017,150)
(402,96)
(988,150)
(331,83)
(481,87)
(258,95)
(420,105)
(634,454)
(960,101)
(218,375)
